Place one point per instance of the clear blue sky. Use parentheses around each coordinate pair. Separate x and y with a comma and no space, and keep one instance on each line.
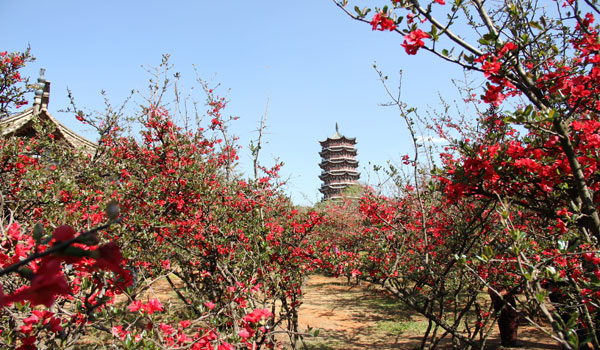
(308,57)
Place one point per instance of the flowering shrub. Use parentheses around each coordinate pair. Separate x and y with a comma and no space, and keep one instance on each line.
(338,240)
(228,249)
(526,185)
(13,87)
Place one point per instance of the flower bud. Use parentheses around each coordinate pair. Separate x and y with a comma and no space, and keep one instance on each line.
(63,233)
(26,273)
(88,239)
(38,231)
(112,210)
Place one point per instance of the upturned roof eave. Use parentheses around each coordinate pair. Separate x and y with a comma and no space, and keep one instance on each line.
(329,139)
(338,149)
(339,160)
(15,122)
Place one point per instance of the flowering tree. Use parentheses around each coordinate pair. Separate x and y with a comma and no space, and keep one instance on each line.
(13,87)
(338,242)
(227,249)
(538,162)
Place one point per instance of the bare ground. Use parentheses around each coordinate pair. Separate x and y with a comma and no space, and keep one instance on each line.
(360,317)
(356,317)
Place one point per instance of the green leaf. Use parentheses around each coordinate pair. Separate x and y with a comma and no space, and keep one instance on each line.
(562,246)
(550,271)
(586,339)
(489,251)
(489,36)
(460,260)
(572,322)
(535,25)
(516,235)
(572,339)
(541,296)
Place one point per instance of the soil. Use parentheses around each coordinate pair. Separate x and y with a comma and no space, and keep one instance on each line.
(356,317)
(362,316)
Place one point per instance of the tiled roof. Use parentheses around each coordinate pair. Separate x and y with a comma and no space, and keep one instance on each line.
(19,124)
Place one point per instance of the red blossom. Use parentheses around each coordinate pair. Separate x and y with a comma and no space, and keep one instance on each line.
(109,257)
(152,306)
(412,42)
(382,21)
(135,306)
(63,233)
(225,346)
(48,283)
(257,315)
(493,95)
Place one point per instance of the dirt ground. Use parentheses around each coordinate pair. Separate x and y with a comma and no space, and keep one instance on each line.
(361,317)
(354,317)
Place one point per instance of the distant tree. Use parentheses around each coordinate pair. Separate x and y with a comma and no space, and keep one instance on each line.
(13,87)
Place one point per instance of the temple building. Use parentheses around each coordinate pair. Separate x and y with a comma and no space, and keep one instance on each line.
(22,124)
(338,164)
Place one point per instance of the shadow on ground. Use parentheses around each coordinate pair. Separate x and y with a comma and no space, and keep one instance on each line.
(356,317)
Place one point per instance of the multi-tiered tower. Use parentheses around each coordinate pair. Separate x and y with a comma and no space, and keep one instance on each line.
(338,164)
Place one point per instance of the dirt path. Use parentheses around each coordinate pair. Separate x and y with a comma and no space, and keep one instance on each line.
(356,317)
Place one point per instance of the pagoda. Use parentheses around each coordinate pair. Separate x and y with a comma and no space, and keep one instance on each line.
(22,124)
(338,164)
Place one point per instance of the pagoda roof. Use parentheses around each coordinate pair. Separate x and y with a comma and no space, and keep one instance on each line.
(340,186)
(336,149)
(324,164)
(339,173)
(338,136)
(339,161)
(21,124)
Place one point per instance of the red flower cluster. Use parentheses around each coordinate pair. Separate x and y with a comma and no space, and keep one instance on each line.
(257,315)
(48,283)
(382,21)
(412,42)
(150,307)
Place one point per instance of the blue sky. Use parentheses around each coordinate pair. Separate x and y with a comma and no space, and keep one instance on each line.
(312,61)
